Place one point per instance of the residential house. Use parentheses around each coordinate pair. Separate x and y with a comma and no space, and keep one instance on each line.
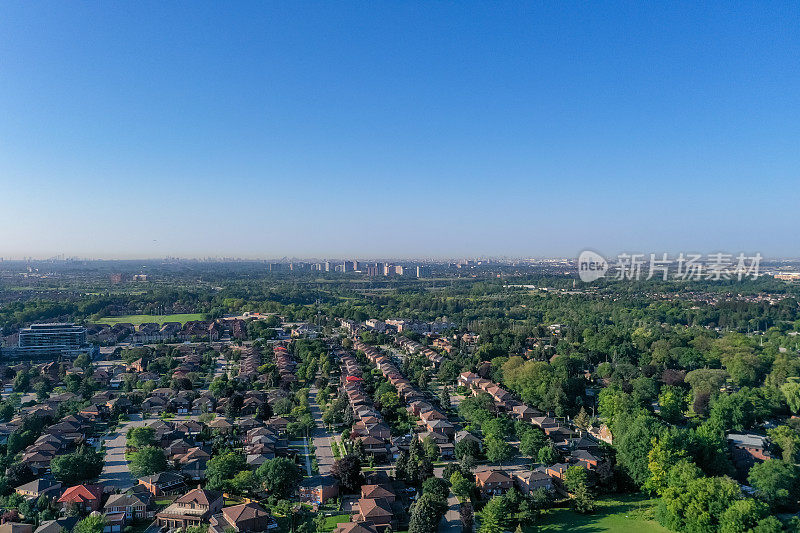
(747,450)
(375,511)
(133,506)
(192,509)
(493,482)
(163,483)
(58,525)
(528,481)
(245,518)
(319,489)
(39,487)
(86,498)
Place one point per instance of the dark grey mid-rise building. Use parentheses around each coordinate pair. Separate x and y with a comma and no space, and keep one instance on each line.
(51,341)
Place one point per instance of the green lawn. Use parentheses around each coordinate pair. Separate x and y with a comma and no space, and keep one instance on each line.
(332,521)
(625,514)
(143,319)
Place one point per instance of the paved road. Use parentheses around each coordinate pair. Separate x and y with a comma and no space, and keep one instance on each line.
(115,470)
(320,436)
(308,460)
(451,521)
(220,368)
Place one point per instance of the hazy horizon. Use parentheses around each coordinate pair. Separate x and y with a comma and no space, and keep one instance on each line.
(385,129)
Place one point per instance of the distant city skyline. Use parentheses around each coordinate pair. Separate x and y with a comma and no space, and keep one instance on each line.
(442,130)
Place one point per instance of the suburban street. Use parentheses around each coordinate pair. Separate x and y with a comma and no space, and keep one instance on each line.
(451,521)
(115,470)
(320,436)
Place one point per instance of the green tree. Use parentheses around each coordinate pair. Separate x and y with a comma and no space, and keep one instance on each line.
(665,451)
(547,455)
(497,449)
(693,502)
(467,448)
(222,469)
(787,440)
(634,446)
(775,482)
(444,398)
(437,487)
(279,476)
(574,477)
(425,514)
(791,390)
(141,437)
(742,516)
(582,499)
(672,402)
(581,420)
(461,486)
(532,441)
(91,524)
(81,465)
(431,448)
(495,516)
(148,461)
(245,482)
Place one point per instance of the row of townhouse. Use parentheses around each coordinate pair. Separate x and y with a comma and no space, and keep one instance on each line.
(579,450)
(286,365)
(432,422)
(249,363)
(153,332)
(413,347)
(368,424)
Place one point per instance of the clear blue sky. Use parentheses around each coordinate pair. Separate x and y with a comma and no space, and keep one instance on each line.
(389,129)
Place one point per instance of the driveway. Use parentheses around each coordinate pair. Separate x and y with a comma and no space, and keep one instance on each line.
(115,470)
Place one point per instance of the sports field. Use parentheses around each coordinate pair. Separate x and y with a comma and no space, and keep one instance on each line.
(143,319)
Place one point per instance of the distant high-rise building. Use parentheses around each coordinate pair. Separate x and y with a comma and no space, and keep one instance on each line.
(423,271)
(327,266)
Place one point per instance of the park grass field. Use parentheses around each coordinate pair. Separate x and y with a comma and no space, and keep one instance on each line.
(137,320)
(622,514)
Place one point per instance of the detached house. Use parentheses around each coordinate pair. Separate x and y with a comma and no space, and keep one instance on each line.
(87,498)
(493,482)
(245,518)
(192,509)
(133,506)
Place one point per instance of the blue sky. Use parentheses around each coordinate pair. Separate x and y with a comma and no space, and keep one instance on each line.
(390,129)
